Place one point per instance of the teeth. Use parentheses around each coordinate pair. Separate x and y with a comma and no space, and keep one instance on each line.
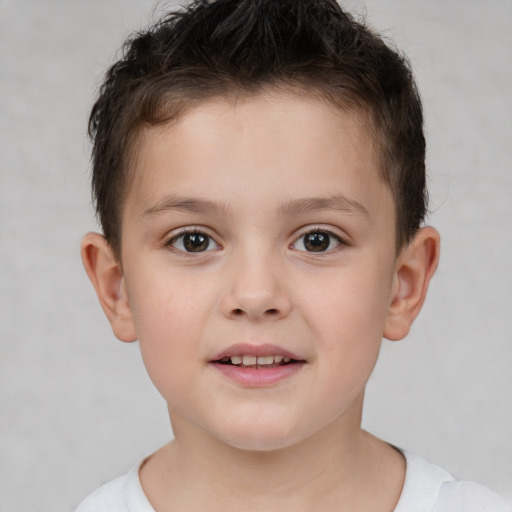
(249,360)
(253,360)
(265,360)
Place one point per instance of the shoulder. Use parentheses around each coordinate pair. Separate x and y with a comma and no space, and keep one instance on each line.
(108,497)
(429,488)
(469,497)
(124,494)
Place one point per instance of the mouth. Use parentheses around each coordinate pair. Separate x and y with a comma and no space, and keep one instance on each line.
(251,361)
(257,365)
(247,355)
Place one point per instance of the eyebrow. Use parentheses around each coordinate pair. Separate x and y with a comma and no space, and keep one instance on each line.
(292,207)
(314,204)
(188,204)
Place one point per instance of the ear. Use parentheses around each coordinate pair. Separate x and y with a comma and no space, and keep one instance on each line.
(106,275)
(415,267)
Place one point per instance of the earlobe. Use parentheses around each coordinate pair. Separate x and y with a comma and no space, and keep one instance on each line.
(415,267)
(106,276)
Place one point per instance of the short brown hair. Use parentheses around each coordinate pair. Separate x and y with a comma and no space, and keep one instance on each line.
(222,47)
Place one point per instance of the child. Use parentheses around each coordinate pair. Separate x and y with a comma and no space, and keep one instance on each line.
(258,170)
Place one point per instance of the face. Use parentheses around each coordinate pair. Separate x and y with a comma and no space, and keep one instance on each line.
(259,260)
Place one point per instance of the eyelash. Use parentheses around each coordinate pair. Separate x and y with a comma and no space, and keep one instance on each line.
(190,231)
(323,233)
(340,243)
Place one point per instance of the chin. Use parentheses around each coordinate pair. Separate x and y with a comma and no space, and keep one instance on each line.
(258,437)
(259,444)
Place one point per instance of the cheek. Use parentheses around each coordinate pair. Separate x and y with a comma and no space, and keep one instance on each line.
(348,320)
(167,305)
(350,306)
(169,320)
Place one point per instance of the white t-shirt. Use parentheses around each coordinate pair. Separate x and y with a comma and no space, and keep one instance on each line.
(427,488)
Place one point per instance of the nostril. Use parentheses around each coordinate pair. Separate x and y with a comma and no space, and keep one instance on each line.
(272,312)
(237,312)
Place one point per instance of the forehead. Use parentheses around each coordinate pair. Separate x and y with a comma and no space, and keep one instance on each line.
(274,145)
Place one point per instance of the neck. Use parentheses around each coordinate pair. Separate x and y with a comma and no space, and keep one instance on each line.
(330,468)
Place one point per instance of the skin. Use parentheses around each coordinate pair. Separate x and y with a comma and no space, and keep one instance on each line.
(242,174)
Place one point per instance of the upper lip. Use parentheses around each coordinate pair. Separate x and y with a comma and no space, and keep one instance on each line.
(248,349)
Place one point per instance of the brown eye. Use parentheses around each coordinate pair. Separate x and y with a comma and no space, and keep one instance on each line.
(193,241)
(317,241)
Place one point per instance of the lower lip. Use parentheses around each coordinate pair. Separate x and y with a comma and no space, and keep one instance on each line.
(258,377)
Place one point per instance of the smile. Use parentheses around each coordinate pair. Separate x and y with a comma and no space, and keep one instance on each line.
(249,361)
(257,365)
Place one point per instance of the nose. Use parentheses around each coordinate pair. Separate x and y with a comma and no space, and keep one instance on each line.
(256,290)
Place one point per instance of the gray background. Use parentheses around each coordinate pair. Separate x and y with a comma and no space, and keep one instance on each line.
(76,406)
